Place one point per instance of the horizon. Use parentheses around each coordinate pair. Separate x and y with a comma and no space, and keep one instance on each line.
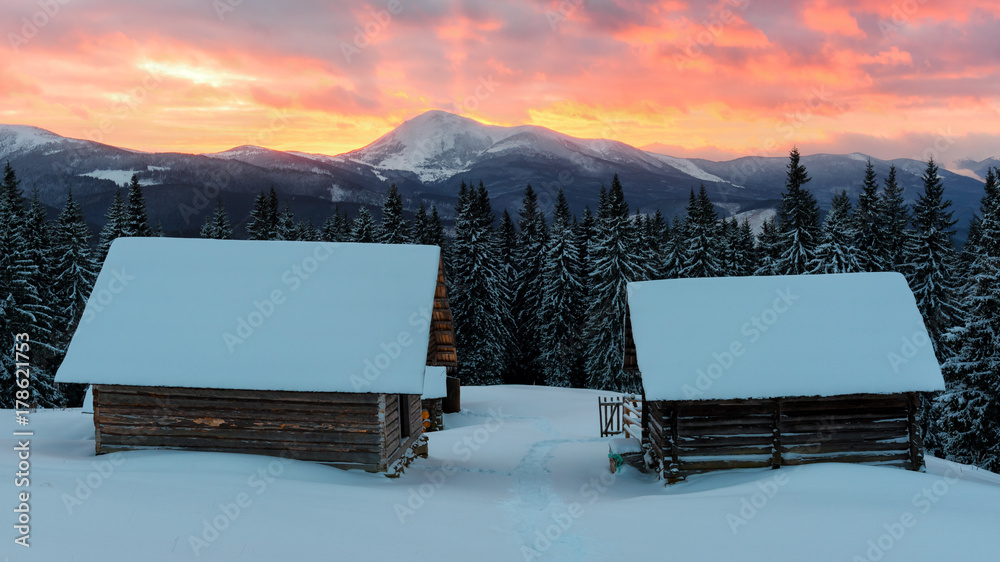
(719,82)
(959,171)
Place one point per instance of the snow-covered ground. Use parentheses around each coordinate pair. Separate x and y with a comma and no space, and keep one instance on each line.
(519,475)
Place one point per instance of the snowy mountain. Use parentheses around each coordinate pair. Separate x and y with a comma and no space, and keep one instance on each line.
(427,157)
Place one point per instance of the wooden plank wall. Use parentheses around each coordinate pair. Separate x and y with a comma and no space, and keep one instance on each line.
(697,436)
(340,429)
(441,348)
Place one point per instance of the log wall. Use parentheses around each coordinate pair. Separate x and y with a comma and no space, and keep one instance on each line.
(441,347)
(687,437)
(346,430)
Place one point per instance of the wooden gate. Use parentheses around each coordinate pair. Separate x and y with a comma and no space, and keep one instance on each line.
(611,414)
(620,414)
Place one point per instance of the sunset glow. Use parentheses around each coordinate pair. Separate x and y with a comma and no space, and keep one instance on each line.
(717,80)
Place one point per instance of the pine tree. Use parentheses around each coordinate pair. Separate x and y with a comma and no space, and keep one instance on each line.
(217,225)
(768,249)
(702,255)
(893,222)
(586,229)
(837,252)
(114,226)
(560,315)
(363,229)
(393,229)
(930,259)
(476,290)
(746,253)
(419,233)
(798,224)
(673,250)
(868,224)
(967,415)
(613,268)
(285,227)
(136,217)
(23,310)
(435,229)
(529,263)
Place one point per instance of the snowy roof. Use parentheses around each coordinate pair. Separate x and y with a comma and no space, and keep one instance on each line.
(235,314)
(766,337)
(435,383)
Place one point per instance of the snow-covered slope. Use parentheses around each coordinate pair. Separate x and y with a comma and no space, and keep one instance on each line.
(438,145)
(15,139)
(519,474)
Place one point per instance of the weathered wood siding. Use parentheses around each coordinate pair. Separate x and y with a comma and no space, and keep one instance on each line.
(441,347)
(697,436)
(435,414)
(346,430)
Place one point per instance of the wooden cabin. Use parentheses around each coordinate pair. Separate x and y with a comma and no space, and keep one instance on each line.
(308,350)
(765,372)
(435,391)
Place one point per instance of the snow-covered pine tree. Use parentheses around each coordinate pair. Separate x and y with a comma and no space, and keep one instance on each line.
(614,266)
(746,253)
(476,290)
(867,224)
(586,229)
(136,217)
(644,247)
(22,307)
(529,263)
(967,414)
(893,222)
(657,235)
(418,233)
(114,226)
(768,249)
(798,221)
(729,232)
(217,226)
(673,250)
(435,229)
(837,251)
(561,313)
(74,270)
(702,255)
(306,231)
(364,228)
(394,229)
(930,260)
(285,228)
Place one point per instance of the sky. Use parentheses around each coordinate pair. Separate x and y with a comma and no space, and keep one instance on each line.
(719,80)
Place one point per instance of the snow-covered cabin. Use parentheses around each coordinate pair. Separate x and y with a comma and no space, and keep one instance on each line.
(435,391)
(310,350)
(745,372)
